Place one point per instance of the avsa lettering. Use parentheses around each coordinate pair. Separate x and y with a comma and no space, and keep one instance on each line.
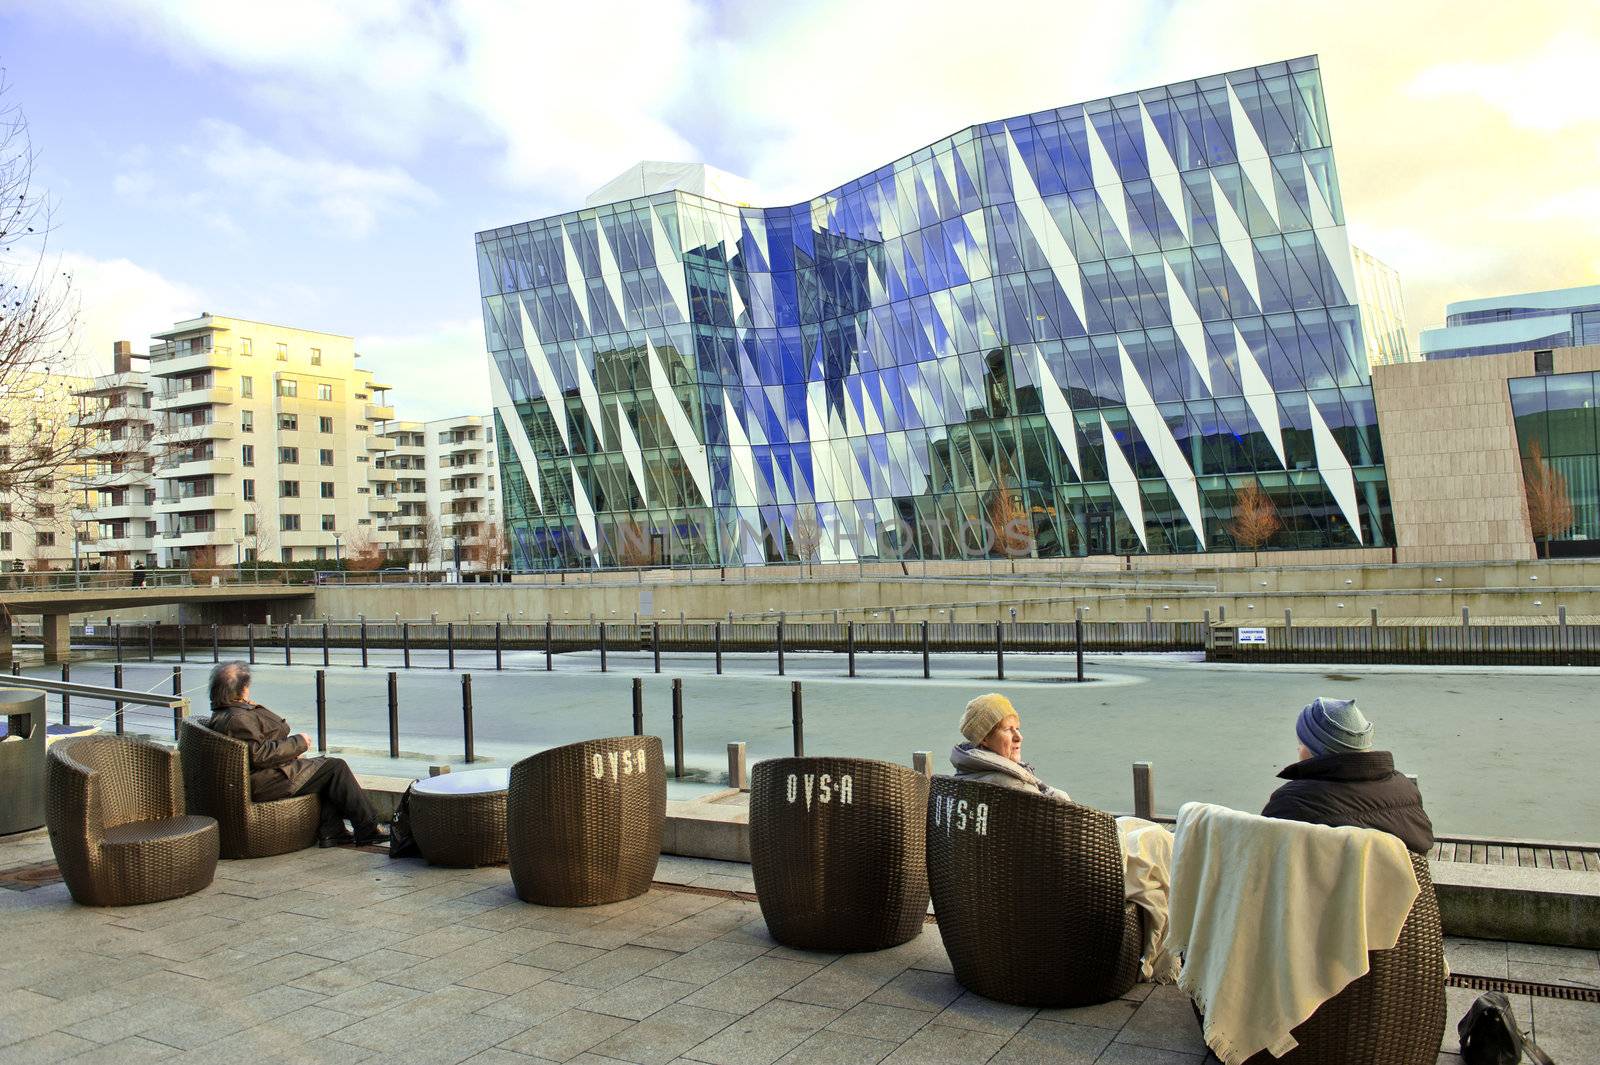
(822,787)
(619,764)
(952,814)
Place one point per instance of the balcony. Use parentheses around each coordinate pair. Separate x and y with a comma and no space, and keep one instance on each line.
(192,397)
(184,466)
(383,505)
(139,511)
(194,432)
(115,382)
(107,447)
(119,544)
(169,364)
(109,479)
(181,537)
(377,412)
(168,504)
(408,519)
(379,443)
(103,416)
(378,473)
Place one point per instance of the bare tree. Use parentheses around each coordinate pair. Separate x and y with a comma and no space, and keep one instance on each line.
(362,553)
(430,540)
(806,536)
(1549,502)
(493,549)
(39,435)
(1009,520)
(1255,519)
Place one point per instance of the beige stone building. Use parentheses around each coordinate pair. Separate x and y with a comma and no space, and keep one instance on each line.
(116,412)
(38,427)
(447,491)
(267,444)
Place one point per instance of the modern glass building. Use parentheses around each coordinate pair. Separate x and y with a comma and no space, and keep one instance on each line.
(1560,318)
(1076,332)
(1560,415)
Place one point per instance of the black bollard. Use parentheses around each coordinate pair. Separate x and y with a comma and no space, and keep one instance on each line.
(116,682)
(322,711)
(655,644)
(116,630)
(183,644)
(177,711)
(780,647)
(287,659)
(324,643)
(394,714)
(150,644)
(66,700)
(466,713)
(549,661)
(999,650)
(927,664)
(850,645)
(677,727)
(450,644)
(1077,626)
(216,649)
(497,662)
(798,713)
(718,641)
(363,643)
(250,640)
(638,706)
(602,647)
(405,643)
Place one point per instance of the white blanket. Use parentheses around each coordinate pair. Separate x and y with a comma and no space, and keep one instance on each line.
(1147,878)
(1276,917)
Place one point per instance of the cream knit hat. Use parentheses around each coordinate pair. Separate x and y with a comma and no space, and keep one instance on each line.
(983,714)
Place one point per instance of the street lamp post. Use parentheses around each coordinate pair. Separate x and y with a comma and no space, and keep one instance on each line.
(238,558)
(338,562)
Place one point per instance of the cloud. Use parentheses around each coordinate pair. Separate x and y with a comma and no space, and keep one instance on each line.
(1548,90)
(438,372)
(120,300)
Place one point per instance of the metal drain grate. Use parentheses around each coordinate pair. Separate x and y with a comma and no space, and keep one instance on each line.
(1569,992)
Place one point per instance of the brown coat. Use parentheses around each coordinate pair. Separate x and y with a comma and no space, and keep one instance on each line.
(277,769)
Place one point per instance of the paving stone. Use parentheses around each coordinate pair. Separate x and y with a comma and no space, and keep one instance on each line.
(566,1035)
(1165,1021)
(919,989)
(538,1003)
(1133,1054)
(1567,1031)
(357,972)
(1480,957)
(894,1023)
(764,1035)
(662,1037)
(829,1047)
(559,956)
(370,998)
(443,940)
(507,978)
(755,982)
(447,969)
(639,997)
(706,963)
(841,984)
(502,1056)
(1054,1043)
(615,967)
(985,1015)
(937,1044)
(44,1049)
(1112,1015)
(1539,972)
(1568,957)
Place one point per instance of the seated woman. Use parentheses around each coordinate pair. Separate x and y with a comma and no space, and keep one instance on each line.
(992,754)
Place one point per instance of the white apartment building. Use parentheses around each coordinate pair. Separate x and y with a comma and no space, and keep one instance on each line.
(267,445)
(38,424)
(117,412)
(447,490)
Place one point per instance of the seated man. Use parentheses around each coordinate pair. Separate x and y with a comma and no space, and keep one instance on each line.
(278,769)
(1341,781)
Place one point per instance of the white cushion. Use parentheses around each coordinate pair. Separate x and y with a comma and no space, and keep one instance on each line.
(472,782)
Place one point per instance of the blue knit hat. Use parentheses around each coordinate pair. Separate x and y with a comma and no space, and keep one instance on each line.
(1333,726)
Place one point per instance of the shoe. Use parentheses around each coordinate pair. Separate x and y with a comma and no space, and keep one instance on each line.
(367,837)
(341,838)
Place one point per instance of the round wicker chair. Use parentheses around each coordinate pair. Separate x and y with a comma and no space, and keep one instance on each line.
(216,775)
(584,821)
(1050,875)
(22,760)
(837,851)
(1395,1014)
(459,819)
(114,807)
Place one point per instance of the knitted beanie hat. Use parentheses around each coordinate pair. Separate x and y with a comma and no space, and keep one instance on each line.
(983,714)
(1333,726)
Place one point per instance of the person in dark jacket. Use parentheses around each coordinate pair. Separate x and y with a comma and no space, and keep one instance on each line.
(278,766)
(1341,781)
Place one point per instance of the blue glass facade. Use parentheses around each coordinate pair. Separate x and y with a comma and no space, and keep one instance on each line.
(1561,318)
(1075,332)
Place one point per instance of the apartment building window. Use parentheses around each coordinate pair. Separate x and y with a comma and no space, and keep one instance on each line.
(5,511)
(287,456)
(326,456)
(289,421)
(322,554)
(324,424)
(249,489)
(316,356)
(325,393)
(46,512)
(327,489)
(327,523)
(283,352)
(288,387)
(246,346)
(289,522)
(47,539)
(289,489)
(249,451)
(249,524)
(247,387)
(247,421)
(5,541)
(5,452)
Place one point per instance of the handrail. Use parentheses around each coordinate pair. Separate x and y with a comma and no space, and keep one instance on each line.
(97,691)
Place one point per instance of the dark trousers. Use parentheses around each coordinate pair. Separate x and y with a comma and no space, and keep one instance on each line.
(342,797)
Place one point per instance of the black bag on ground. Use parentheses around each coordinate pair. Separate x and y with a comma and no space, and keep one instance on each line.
(402,844)
(1490,1036)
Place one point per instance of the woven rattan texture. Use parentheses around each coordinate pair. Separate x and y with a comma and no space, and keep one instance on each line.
(1395,1014)
(583,822)
(114,807)
(1030,896)
(837,852)
(216,775)
(22,761)
(459,830)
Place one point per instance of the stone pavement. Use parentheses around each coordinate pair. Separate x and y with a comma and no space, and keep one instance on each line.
(346,956)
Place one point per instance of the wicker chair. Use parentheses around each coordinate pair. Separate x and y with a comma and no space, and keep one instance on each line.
(1395,1014)
(1051,875)
(115,811)
(216,774)
(583,822)
(459,819)
(837,850)
(22,761)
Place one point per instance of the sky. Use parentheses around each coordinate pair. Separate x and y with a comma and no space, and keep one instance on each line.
(325,165)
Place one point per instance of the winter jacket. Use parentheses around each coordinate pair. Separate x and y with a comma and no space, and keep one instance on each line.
(972,762)
(1360,789)
(276,769)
